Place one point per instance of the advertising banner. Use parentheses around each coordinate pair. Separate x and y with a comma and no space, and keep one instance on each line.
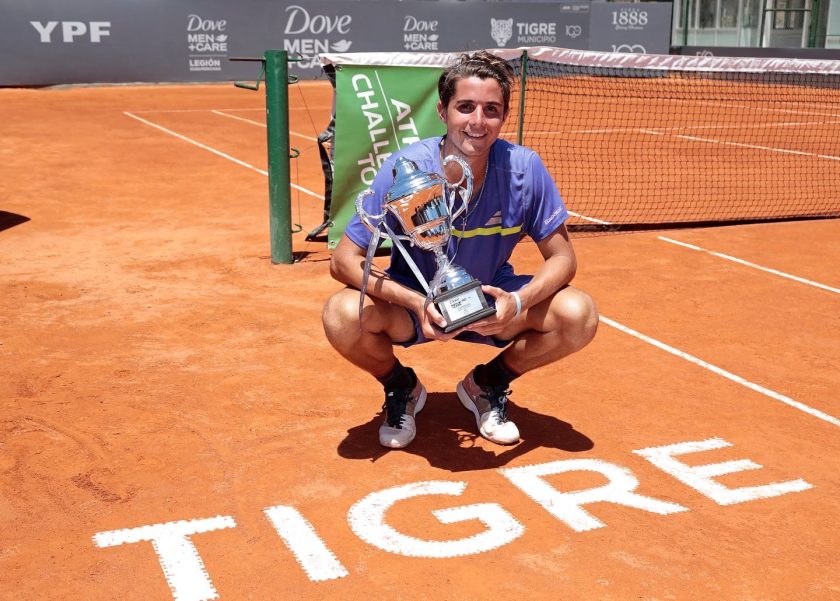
(379,110)
(48,42)
(637,27)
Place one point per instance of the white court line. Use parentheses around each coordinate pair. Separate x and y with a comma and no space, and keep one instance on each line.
(663,130)
(753,265)
(259,124)
(216,152)
(753,146)
(231,110)
(807,107)
(585,218)
(722,372)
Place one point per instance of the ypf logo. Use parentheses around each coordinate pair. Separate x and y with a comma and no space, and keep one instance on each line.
(574,31)
(501,30)
(71,30)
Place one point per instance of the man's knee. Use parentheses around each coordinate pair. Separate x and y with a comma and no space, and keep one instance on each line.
(578,316)
(340,312)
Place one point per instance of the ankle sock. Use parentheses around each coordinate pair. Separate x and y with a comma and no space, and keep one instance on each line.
(495,373)
(399,377)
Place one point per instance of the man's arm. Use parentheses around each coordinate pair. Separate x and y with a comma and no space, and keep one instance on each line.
(558,270)
(347,266)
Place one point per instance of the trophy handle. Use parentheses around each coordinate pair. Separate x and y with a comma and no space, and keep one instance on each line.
(366,218)
(465,191)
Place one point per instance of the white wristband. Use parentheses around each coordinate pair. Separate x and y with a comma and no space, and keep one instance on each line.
(518,303)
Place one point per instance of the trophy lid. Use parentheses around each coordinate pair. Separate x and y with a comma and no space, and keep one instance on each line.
(408,179)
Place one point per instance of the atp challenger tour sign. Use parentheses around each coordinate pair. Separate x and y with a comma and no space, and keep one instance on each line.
(380,110)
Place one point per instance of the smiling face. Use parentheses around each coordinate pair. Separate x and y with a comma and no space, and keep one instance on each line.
(474,117)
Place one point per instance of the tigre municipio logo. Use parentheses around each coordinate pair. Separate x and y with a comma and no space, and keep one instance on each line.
(501,30)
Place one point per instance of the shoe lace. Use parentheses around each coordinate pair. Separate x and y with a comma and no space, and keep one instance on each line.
(497,396)
(395,405)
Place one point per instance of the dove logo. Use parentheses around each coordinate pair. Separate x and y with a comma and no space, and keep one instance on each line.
(415,24)
(196,23)
(314,29)
(419,34)
(207,42)
(300,21)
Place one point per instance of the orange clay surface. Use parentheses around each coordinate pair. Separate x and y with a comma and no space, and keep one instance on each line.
(155,367)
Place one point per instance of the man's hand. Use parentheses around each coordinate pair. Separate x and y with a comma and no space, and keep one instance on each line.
(505,313)
(432,324)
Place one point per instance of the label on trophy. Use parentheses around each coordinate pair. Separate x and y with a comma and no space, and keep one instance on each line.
(461,306)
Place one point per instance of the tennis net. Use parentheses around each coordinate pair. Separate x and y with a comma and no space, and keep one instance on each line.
(633,141)
(647,141)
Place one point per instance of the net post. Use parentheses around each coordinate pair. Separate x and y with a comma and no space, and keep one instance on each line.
(813,23)
(521,134)
(279,182)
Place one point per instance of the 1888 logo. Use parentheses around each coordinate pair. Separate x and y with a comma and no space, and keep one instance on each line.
(629,18)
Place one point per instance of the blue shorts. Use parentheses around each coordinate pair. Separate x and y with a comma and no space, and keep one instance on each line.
(505,279)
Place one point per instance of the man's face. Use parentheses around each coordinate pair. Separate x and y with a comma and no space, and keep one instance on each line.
(474,116)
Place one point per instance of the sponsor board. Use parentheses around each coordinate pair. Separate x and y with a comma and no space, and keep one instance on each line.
(420,34)
(313,30)
(207,43)
(195,39)
(640,28)
(70,32)
(533,28)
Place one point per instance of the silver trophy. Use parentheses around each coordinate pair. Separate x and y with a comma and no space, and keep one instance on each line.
(423,204)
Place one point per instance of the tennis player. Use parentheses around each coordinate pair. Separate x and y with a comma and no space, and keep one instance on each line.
(539,318)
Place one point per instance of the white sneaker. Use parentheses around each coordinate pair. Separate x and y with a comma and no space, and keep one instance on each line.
(401,406)
(489,405)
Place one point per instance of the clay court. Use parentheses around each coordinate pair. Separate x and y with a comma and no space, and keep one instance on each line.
(175,425)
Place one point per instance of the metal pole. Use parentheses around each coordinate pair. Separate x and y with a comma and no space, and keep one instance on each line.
(277,125)
(522,79)
(814,24)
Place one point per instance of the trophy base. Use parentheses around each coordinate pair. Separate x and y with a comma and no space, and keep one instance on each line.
(463,306)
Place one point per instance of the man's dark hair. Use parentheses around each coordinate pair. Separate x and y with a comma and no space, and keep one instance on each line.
(481,64)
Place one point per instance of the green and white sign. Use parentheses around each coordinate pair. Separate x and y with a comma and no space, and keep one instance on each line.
(379,110)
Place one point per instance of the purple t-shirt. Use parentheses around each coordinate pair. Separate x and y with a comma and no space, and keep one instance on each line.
(518,198)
